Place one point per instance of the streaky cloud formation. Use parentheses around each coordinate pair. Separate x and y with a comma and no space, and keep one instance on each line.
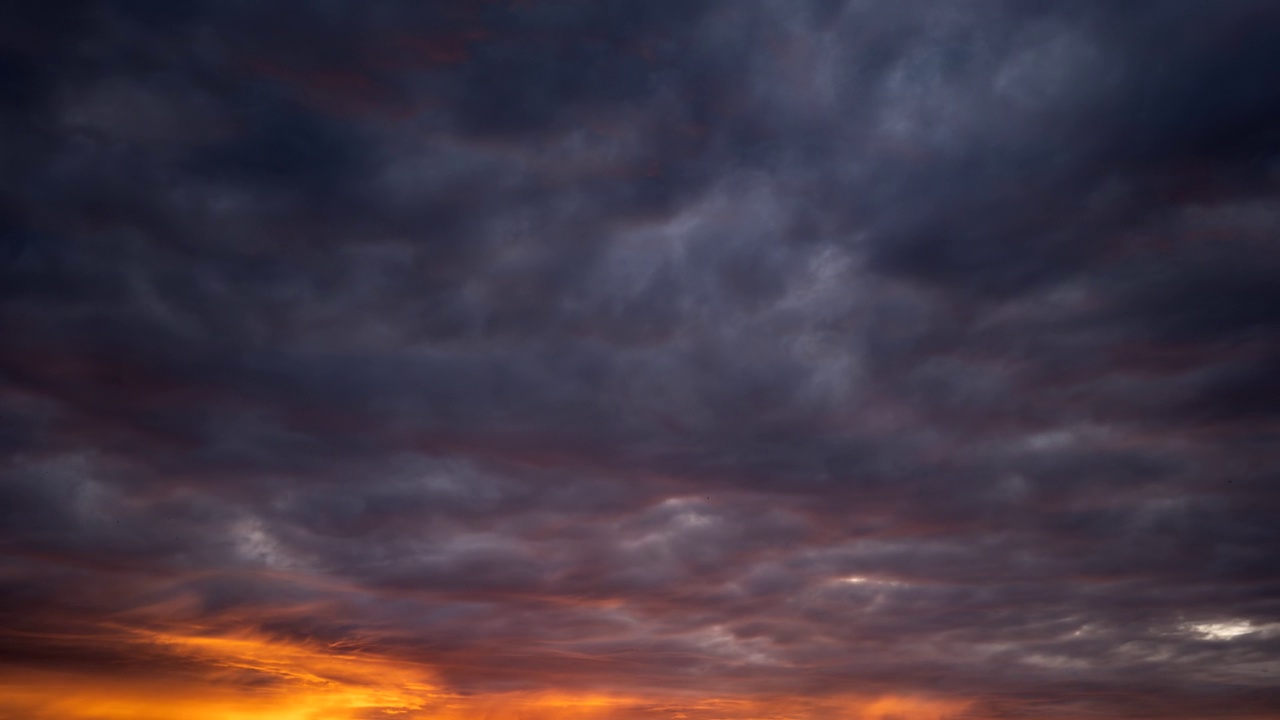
(622,360)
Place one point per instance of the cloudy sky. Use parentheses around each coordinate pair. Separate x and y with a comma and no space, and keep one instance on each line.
(623,360)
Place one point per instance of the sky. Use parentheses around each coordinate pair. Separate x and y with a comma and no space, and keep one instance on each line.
(622,360)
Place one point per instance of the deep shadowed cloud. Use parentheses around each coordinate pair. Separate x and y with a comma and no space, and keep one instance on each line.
(671,359)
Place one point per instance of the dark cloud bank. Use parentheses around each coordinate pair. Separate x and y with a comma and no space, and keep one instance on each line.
(762,347)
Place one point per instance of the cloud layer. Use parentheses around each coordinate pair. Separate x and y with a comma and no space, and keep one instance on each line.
(604,359)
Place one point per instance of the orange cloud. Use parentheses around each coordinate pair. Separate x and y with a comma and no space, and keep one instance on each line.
(243,677)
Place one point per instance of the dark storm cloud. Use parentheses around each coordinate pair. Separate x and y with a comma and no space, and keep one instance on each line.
(761,348)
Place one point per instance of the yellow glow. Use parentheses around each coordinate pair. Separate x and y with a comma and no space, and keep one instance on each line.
(251,678)
(239,678)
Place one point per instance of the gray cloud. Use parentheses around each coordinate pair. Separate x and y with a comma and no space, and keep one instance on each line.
(763,348)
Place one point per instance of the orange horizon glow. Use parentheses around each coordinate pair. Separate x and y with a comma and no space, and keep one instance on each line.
(244,677)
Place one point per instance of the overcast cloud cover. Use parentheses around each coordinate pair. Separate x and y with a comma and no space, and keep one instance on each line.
(640,359)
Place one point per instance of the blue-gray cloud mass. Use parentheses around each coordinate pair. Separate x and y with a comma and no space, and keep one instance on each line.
(782,347)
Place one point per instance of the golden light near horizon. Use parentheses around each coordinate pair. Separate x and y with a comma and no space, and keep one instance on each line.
(241,677)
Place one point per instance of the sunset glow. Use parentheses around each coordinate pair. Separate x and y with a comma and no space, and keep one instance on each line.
(245,678)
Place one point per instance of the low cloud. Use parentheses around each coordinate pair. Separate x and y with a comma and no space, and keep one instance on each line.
(714,359)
